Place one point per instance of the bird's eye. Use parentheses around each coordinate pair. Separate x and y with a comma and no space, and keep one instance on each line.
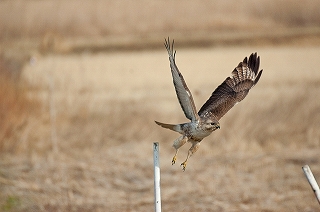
(212,123)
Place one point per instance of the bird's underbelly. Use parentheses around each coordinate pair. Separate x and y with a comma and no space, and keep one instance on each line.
(194,132)
(198,134)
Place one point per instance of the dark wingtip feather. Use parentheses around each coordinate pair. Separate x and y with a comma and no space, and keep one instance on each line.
(254,62)
(169,47)
(257,65)
(245,60)
(257,77)
(166,42)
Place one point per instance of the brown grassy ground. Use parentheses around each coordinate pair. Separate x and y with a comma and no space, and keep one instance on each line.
(105,104)
(77,128)
(20,18)
(77,25)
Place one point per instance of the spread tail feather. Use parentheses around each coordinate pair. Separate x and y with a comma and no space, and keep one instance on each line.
(172,127)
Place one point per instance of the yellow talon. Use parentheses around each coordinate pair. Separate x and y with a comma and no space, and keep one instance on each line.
(184,164)
(173,160)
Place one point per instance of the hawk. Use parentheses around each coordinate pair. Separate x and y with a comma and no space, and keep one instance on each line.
(234,89)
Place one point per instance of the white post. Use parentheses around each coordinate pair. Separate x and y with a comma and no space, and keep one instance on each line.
(157,194)
(312,181)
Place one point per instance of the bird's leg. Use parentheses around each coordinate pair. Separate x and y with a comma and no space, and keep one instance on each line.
(193,149)
(177,144)
(174,157)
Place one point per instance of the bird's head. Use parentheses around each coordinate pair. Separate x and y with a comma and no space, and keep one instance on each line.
(211,125)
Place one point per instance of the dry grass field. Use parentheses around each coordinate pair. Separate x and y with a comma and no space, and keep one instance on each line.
(77,125)
(95,151)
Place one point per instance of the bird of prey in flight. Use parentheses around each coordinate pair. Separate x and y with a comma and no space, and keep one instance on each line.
(234,89)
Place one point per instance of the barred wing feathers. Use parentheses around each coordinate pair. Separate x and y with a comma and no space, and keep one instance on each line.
(233,89)
(183,93)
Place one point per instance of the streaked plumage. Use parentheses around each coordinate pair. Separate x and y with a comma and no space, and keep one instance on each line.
(234,89)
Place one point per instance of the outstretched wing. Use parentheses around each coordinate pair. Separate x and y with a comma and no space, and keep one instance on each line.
(183,93)
(233,89)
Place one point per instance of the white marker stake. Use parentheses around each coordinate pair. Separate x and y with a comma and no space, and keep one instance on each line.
(157,194)
(312,181)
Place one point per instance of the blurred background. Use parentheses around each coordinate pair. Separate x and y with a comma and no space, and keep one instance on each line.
(81,83)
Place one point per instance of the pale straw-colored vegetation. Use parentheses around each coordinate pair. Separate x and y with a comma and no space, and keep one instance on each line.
(76,127)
